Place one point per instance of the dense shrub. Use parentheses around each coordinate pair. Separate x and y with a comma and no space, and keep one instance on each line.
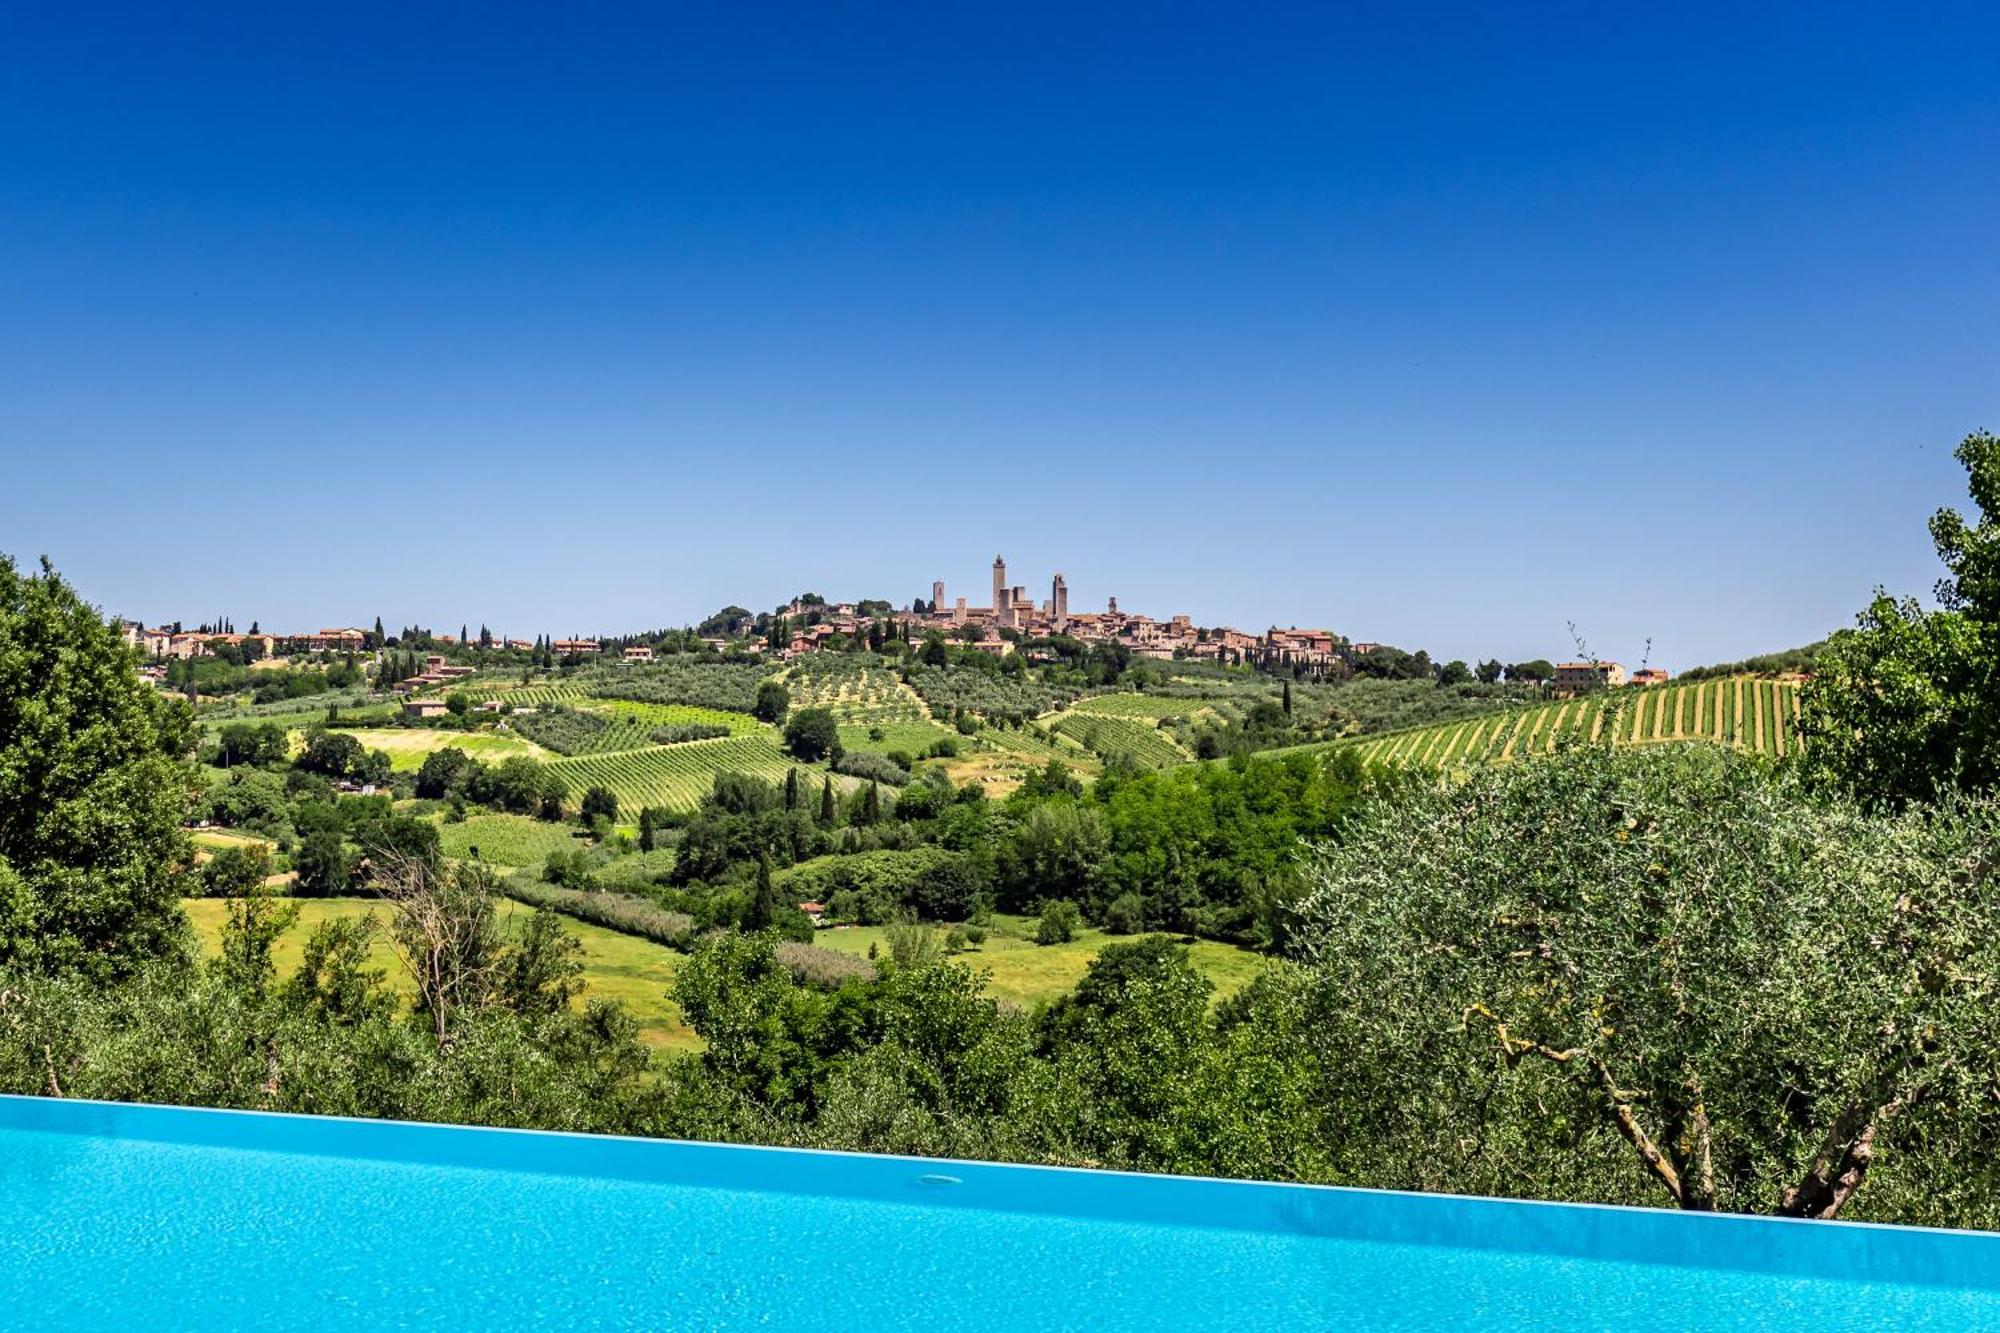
(872,767)
(688,731)
(813,966)
(872,888)
(564,730)
(623,912)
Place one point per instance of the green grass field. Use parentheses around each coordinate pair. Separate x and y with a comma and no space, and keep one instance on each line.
(1743,711)
(1028,974)
(408,746)
(637,973)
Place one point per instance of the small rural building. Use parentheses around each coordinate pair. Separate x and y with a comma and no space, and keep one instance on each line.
(1649,676)
(638,653)
(816,911)
(1577,677)
(422,708)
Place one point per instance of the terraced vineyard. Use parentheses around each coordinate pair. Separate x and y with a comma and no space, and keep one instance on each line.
(674,776)
(1111,737)
(1744,711)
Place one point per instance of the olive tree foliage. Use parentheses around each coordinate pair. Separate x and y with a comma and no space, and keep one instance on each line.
(94,785)
(1662,975)
(1905,706)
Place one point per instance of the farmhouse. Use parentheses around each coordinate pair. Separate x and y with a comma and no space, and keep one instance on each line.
(638,653)
(568,646)
(1577,677)
(1649,676)
(422,708)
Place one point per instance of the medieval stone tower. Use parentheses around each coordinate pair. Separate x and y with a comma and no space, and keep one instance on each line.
(1059,599)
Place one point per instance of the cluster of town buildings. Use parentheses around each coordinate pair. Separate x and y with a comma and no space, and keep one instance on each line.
(1012,613)
(1009,615)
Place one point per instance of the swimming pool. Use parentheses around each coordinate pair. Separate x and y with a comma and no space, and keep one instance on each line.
(140,1217)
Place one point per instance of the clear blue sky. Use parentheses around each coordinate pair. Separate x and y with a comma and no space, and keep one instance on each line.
(1436,327)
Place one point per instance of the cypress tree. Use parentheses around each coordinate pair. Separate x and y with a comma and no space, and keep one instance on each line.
(764,906)
(1288,698)
(826,804)
(791,789)
(871,804)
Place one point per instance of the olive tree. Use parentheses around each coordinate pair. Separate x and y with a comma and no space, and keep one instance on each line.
(1663,974)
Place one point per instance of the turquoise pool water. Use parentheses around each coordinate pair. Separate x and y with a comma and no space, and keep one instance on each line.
(151,1218)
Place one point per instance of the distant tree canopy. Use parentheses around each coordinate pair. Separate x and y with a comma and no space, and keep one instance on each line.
(1906,706)
(94,784)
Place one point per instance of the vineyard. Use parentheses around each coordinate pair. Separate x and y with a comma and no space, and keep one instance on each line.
(613,727)
(1112,737)
(1744,711)
(533,696)
(673,776)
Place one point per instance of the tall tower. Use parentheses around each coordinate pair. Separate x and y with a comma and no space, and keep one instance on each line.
(999,582)
(937,595)
(1059,600)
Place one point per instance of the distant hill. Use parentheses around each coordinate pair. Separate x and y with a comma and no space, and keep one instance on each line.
(1790,661)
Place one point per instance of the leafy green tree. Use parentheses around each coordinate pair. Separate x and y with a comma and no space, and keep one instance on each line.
(332,754)
(542,973)
(445,773)
(322,864)
(1659,974)
(94,785)
(233,872)
(1906,705)
(812,734)
(1058,923)
(773,702)
(599,803)
(1053,852)
(1489,671)
(255,744)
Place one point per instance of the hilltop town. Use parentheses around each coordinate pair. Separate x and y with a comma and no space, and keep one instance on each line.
(1009,620)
